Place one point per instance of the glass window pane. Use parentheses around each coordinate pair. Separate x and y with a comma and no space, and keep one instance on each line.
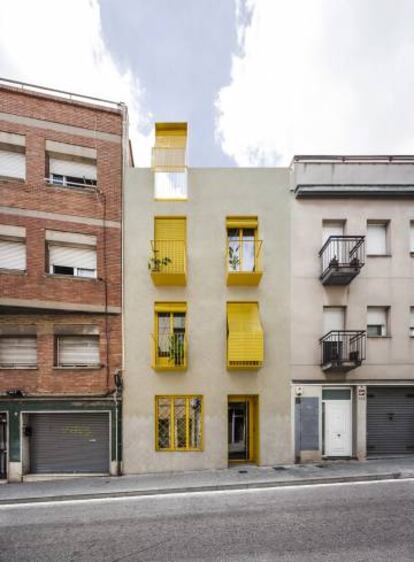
(234,249)
(248,250)
(163,333)
(179,423)
(195,423)
(164,422)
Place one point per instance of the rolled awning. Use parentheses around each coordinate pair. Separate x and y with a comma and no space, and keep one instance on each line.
(245,347)
(170,307)
(241,222)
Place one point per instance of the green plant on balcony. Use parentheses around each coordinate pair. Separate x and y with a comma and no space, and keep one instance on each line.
(176,349)
(155,264)
(234,260)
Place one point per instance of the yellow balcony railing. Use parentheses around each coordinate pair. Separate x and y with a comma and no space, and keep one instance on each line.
(169,352)
(168,159)
(244,262)
(168,262)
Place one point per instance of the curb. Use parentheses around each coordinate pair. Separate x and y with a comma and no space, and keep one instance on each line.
(209,488)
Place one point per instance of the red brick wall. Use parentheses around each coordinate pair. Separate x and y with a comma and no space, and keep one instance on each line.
(47,379)
(34,194)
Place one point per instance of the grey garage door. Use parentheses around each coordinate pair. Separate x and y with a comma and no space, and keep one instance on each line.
(390,421)
(69,443)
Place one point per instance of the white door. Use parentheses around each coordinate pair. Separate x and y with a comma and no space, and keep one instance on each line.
(338,428)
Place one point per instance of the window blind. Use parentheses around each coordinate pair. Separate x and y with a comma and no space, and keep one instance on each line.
(78,350)
(376,316)
(377,239)
(18,351)
(245,334)
(67,256)
(333,319)
(12,254)
(12,164)
(72,168)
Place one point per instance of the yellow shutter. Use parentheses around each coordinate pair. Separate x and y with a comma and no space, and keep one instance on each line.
(241,222)
(170,135)
(245,347)
(170,307)
(170,228)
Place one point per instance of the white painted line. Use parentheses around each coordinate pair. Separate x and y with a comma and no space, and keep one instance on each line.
(203,493)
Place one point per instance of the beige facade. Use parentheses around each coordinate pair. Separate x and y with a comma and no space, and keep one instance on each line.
(213,195)
(356,193)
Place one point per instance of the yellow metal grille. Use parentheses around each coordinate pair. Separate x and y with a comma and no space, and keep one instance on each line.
(179,423)
(168,256)
(245,346)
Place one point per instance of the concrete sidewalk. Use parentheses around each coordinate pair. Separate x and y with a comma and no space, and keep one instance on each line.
(238,477)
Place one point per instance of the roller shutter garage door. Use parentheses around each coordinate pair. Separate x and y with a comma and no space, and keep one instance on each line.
(390,421)
(69,443)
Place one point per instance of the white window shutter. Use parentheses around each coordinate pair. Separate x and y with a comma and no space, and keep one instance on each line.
(12,254)
(12,164)
(376,316)
(83,258)
(18,351)
(72,168)
(78,350)
(333,319)
(376,239)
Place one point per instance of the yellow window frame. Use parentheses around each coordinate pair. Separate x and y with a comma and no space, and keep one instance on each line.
(172,398)
(171,308)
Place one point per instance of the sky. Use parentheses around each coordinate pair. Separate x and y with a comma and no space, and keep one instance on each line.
(257,80)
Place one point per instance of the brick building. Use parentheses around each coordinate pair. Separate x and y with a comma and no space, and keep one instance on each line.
(62,158)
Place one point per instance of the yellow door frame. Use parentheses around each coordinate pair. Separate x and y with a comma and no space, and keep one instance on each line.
(253,442)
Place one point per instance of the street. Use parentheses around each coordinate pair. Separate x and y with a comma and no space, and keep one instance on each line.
(353,521)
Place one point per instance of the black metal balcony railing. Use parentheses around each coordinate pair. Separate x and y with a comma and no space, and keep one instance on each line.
(341,259)
(342,350)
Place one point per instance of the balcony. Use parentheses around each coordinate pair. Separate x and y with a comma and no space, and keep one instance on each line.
(168,159)
(168,262)
(244,262)
(169,352)
(342,350)
(341,259)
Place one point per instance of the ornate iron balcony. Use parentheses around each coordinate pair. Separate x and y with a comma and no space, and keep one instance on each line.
(341,259)
(342,350)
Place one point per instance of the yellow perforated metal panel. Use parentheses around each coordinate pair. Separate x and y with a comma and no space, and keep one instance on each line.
(245,347)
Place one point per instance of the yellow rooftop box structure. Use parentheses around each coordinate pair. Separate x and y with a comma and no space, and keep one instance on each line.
(169,152)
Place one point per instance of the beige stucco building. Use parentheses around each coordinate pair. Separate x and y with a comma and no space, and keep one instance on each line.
(352,269)
(206,299)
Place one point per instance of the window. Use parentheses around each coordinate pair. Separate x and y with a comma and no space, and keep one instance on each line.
(18,347)
(12,248)
(412,237)
(170,338)
(168,259)
(12,156)
(243,246)
(332,228)
(377,321)
(169,161)
(179,423)
(71,254)
(170,185)
(377,234)
(70,166)
(245,342)
(333,319)
(412,321)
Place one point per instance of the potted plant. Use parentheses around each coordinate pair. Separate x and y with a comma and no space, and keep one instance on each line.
(234,260)
(176,349)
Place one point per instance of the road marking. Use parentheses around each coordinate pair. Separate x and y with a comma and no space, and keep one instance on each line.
(198,493)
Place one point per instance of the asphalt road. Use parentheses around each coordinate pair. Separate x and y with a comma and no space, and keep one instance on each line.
(353,522)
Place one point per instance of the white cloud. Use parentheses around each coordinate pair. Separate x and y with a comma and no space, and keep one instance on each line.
(58,43)
(316,76)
